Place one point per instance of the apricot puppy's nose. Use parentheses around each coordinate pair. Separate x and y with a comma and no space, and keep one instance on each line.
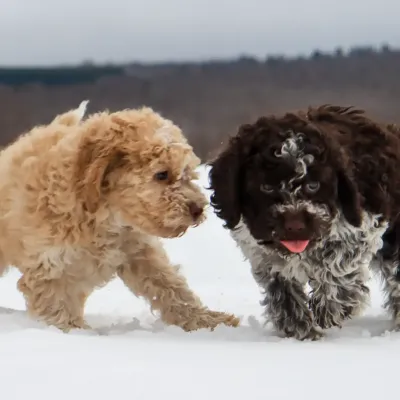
(195,210)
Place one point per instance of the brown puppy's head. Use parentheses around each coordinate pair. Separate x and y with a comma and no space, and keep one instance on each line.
(286,178)
(140,167)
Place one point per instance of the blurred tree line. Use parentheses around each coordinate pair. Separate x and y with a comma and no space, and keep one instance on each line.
(209,99)
(56,76)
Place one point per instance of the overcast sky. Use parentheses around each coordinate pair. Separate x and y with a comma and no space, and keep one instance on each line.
(44,32)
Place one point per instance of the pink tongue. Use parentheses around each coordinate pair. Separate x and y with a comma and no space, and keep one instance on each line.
(295,246)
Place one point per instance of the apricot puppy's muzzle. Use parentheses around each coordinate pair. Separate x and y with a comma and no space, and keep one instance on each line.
(195,210)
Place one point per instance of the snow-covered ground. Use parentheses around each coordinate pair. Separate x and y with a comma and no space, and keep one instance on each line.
(131,355)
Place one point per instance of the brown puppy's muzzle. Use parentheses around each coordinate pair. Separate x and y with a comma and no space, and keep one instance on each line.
(295,225)
(295,235)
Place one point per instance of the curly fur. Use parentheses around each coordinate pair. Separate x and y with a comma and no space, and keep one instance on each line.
(83,201)
(328,175)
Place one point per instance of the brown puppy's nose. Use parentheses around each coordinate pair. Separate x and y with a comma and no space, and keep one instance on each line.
(195,210)
(294,225)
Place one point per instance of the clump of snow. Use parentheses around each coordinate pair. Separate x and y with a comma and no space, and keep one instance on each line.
(130,354)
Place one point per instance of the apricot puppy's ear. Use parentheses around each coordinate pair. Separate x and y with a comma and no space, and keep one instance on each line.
(95,161)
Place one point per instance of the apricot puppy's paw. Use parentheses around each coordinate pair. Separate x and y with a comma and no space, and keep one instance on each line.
(210,320)
(76,324)
(217,318)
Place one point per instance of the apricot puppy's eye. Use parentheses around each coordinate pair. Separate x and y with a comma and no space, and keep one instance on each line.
(161,176)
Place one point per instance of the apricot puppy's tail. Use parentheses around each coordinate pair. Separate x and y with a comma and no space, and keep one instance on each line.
(72,117)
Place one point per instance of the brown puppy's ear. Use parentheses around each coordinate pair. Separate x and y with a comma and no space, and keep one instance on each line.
(95,161)
(349,198)
(224,181)
(348,194)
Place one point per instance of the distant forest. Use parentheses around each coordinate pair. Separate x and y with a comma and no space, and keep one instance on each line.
(209,99)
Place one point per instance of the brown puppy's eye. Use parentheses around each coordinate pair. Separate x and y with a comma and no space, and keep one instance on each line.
(267,189)
(312,187)
(161,176)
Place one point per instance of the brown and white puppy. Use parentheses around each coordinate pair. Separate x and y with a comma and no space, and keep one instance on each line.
(83,201)
(307,196)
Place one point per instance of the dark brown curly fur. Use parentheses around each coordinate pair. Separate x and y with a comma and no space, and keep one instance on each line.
(352,164)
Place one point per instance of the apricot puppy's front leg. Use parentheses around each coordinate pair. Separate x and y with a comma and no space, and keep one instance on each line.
(149,274)
(55,301)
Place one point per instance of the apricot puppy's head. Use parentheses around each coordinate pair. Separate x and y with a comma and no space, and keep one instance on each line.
(140,167)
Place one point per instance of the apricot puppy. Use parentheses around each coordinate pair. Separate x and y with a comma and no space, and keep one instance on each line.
(83,201)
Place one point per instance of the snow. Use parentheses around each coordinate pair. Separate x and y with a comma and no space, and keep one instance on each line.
(130,354)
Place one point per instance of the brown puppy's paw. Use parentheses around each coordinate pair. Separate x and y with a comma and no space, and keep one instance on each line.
(315,333)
